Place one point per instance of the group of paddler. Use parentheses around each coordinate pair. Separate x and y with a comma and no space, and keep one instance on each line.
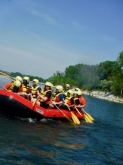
(68,99)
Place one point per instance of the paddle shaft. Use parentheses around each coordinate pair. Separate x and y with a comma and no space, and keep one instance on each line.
(4,74)
(87,118)
(63,113)
(78,111)
(91,118)
(74,117)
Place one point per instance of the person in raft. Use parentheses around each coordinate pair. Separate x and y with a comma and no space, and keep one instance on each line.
(18,78)
(9,85)
(25,89)
(67,100)
(13,86)
(74,101)
(67,87)
(77,101)
(57,98)
(82,100)
(35,89)
(44,97)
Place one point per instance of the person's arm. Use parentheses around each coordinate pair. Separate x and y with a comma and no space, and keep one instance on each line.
(82,103)
(7,86)
(4,87)
(45,98)
(39,90)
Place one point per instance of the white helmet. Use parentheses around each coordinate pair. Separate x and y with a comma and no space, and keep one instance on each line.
(77,89)
(71,92)
(75,93)
(48,84)
(67,85)
(60,88)
(79,93)
(18,78)
(26,78)
(17,83)
(36,81)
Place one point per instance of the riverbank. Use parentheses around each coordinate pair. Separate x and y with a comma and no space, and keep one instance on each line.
(102,95)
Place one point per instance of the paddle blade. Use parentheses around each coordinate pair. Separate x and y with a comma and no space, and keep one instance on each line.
(91,118)
(75,119)
(87,119)
(88,115)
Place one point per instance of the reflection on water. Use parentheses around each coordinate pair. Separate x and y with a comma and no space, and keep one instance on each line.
(69,146)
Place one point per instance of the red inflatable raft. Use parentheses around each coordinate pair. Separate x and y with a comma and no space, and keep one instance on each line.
(15,105)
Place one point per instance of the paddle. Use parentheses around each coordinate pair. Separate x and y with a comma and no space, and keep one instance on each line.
(78,111)
(33,104)
(74,117)
(87,119)
(91,118)
(63,114)
(6,75)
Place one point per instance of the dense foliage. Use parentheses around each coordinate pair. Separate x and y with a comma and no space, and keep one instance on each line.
(107,76)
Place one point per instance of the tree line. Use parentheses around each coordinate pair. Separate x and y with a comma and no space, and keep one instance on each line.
(106,76)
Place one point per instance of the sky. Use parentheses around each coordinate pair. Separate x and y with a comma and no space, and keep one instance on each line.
(41,37)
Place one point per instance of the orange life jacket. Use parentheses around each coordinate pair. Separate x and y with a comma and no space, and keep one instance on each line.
(11,87)
(82,101)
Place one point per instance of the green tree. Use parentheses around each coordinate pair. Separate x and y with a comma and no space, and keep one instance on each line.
(106,69)
(106,85)
(118,75)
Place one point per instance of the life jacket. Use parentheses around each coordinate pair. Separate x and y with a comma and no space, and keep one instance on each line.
(43,93)
(82,101)
(65,92)
(24,89)
(56,98)
(11,87)
(75,101)
(34,91)
(67,100)
(7,86)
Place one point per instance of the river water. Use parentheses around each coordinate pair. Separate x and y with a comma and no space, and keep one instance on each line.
(49,142)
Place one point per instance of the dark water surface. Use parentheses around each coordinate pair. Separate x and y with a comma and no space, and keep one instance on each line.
(27,142)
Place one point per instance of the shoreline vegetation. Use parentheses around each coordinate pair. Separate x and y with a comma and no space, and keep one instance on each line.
(101,95)
(104,95)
